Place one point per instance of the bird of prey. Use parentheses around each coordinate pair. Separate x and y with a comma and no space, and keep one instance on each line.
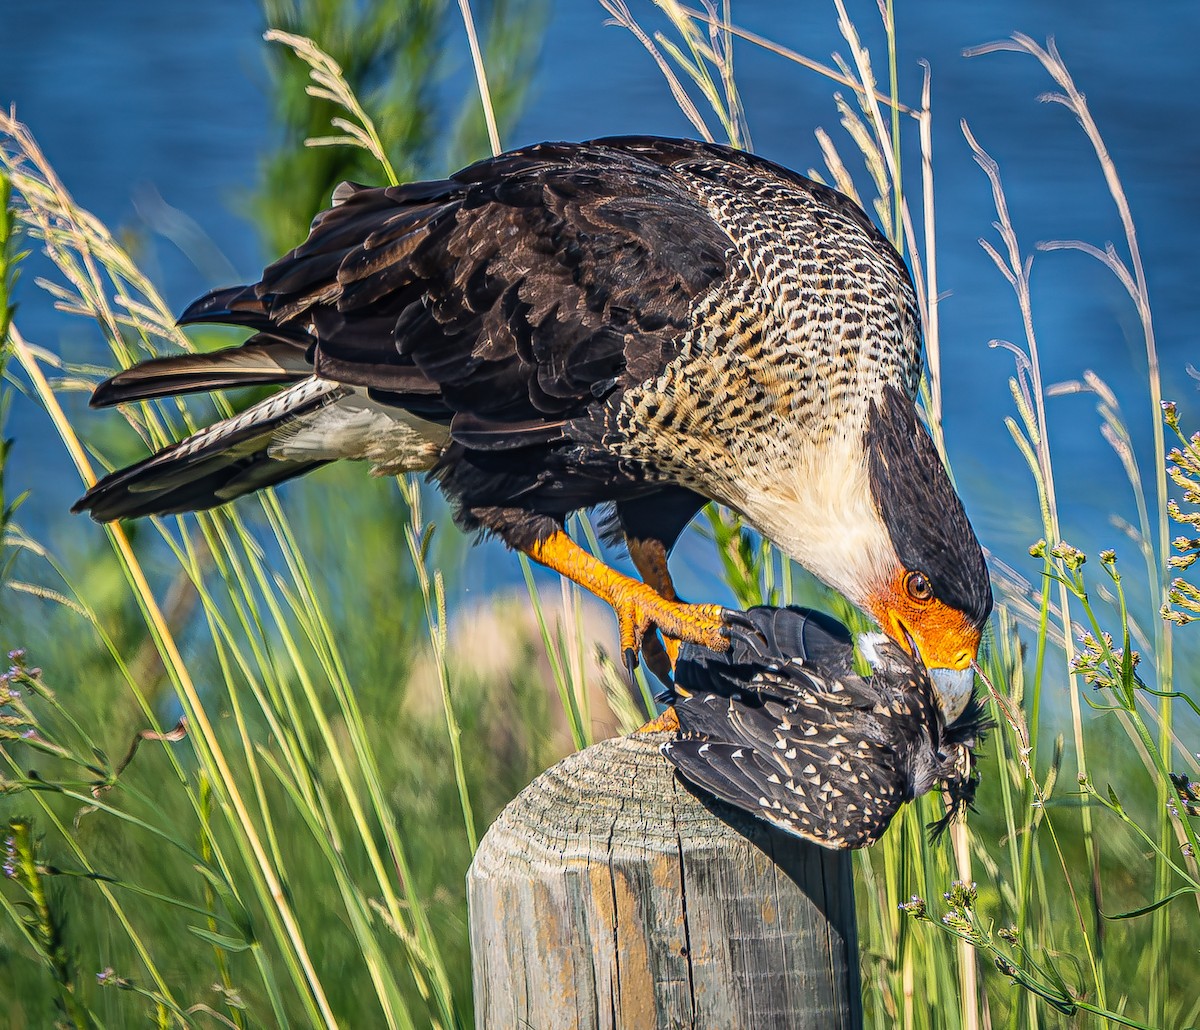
(788,731)
(647,322)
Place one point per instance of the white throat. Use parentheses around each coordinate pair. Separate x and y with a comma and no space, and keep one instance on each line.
(813,500)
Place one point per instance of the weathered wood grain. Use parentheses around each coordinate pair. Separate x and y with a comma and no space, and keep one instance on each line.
(608,896)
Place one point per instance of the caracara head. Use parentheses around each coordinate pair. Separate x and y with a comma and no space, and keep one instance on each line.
(931,594)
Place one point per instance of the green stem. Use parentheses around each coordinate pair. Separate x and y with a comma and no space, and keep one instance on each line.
(46,932)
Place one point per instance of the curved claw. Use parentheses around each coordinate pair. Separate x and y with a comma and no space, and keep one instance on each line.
(631,662)
(737,617)
(666,697)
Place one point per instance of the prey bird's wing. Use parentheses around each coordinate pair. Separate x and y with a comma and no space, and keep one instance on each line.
(821,806)
(784,728)
(810,755)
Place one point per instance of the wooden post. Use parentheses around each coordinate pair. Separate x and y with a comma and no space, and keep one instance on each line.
(607,896)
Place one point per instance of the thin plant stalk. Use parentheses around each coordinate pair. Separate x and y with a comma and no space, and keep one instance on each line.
(485,96)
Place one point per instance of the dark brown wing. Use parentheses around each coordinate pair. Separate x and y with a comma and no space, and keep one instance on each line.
(525,287)
(512,301)
(269,357)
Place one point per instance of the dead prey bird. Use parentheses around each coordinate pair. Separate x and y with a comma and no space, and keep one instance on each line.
(791,733)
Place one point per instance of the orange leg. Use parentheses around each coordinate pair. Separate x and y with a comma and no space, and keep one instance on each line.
(668,722)
(650,559)
(639,606)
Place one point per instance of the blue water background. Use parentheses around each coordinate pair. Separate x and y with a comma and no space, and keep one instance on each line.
(133,98)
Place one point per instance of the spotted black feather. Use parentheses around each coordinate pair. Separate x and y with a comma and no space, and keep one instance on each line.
(789,732)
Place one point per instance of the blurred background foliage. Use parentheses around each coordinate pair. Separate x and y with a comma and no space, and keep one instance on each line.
(389,53)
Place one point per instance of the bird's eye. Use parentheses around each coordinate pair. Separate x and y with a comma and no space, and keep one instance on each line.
(918,586)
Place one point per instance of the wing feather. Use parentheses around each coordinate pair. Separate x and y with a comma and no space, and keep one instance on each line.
(516,286)
(745,777)
(781,726)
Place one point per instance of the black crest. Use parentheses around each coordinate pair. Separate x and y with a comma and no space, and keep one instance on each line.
(918,503)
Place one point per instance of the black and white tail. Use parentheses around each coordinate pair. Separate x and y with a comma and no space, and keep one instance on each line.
(309,423)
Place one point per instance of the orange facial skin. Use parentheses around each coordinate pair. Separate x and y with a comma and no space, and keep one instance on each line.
(907,611)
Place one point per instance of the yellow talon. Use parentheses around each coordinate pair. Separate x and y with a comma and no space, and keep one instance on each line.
(639,607)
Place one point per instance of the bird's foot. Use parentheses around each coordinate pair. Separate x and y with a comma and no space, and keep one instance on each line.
(668,722)
(640,609)
(747,640)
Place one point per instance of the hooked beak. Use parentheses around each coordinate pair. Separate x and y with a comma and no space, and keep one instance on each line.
(940,637)
(953,687)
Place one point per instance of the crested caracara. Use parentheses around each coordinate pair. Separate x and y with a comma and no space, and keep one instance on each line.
(648,322)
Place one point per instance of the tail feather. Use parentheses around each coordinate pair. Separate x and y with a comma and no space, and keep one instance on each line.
(212,487)
(215,465)
(275,355)
(233,305)
(261,360)
(314,420)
